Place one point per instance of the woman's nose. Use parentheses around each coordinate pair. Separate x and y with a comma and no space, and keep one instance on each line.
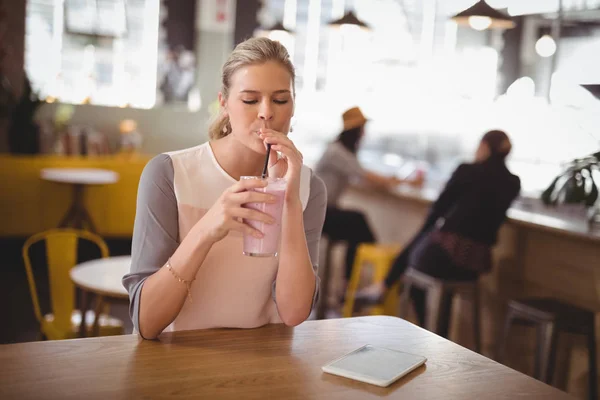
(265,112)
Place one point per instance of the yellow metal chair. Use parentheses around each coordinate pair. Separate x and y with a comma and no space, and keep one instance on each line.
(61,254)
(380,258)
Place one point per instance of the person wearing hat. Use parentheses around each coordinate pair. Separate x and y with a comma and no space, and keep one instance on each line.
(337,167)
(456,239)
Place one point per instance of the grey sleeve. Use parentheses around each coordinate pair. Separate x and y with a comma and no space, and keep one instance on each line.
(155,231)
(313,218)
(346,162)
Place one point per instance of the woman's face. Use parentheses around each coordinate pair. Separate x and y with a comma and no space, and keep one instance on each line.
(259,94)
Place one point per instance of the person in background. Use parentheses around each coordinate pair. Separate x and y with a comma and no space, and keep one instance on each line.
(187,269)
(337,167)
(455,241)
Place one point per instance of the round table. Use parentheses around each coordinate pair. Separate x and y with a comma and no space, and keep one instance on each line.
(77,215)
(102,278)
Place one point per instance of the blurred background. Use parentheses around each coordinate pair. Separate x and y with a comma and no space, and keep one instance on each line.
(103,85)
(430,85)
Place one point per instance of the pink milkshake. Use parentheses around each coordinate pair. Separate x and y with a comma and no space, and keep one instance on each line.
(268,246)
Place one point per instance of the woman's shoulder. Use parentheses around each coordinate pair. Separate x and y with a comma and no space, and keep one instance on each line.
(335,154)
(317,186)
(163,166)
(312,191)
(159,166)
(157,179)
(190,152)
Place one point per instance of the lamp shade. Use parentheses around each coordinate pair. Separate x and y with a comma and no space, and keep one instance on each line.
(278,26)
(482,16)
(349,19)
(594,89)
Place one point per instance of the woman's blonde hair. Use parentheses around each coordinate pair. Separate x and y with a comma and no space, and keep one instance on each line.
(250,52)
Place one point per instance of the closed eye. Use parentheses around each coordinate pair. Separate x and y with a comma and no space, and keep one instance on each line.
(280,101)
(250,101)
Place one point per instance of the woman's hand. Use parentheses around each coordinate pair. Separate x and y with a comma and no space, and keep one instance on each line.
(288,165)
(227,212)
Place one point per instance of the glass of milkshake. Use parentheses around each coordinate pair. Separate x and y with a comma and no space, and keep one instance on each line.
(268,245)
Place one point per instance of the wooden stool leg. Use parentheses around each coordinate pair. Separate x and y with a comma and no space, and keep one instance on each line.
(503,339)
(546,353)
(84,306)
(98,311)
(435,298)
(405,299)
(593,368)
(476,319)
(352,285)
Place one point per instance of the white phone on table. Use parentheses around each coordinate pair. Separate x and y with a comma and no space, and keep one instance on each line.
(375,365)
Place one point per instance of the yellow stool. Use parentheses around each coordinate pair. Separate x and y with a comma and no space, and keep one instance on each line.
(380,257)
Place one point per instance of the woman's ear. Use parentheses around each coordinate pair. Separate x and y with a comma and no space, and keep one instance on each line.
(223,103)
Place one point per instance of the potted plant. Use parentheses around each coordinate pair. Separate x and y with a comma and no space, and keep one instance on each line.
(23,131)
(576,185)
(7,96)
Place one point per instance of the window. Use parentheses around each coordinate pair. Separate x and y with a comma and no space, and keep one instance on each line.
(93,51)
(327,58)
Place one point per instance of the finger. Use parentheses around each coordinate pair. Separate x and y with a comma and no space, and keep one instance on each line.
(250,197)
(245,229)
(247,184)
(273,140)
(275,136)
(254,215)
(271,132)
(289,153)
(273,157)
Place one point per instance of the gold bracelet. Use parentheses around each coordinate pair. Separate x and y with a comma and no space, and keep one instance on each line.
(188,284)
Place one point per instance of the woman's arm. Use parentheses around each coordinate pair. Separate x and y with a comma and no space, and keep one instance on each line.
(156,296)
(388,182)
(380,180)
(297,282)
(163,295)
(452,191)
(157,292)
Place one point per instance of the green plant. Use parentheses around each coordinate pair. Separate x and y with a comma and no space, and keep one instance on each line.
(7,95)
(576,184)
(23,131)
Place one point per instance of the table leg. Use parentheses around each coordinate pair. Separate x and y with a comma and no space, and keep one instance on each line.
(77,216)
(85,216)
(71,214)
(84,306)
(98,311)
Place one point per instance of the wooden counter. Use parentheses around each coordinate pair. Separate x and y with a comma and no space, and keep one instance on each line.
(546,219)
(541,250)
(536,254)
(272,362)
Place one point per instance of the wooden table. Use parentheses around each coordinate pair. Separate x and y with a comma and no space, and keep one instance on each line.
(78,216)
(101,278)
(273,362)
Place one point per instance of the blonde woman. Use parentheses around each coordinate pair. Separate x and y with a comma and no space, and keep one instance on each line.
(188,271)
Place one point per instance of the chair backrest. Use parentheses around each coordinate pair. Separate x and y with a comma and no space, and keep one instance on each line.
(61,256)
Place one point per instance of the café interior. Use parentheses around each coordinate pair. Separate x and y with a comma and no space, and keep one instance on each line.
(92,90)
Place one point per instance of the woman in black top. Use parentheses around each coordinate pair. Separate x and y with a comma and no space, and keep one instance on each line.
(455,241)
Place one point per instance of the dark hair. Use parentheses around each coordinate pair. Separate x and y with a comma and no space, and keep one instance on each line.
(350,138)
(498,143)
